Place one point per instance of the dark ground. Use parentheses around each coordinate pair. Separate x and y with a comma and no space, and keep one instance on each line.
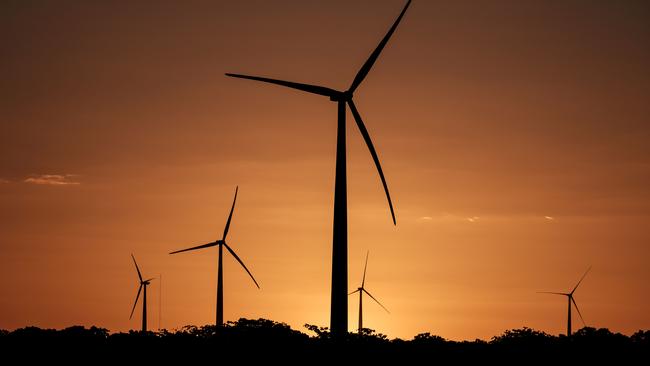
(266,341)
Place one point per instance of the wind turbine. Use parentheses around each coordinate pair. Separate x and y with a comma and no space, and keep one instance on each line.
(361,290)
(222,243)
(143,284)
(339,302)
(569,296)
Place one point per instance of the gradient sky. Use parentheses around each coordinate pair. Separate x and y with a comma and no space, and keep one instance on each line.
(513,134)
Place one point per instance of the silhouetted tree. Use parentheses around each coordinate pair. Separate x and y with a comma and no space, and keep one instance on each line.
(321,332)
(642,337)
(428,339)
(263,339)
(523,336)
(600,339)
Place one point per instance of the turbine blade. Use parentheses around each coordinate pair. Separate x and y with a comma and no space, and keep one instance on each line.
(150,279)
(554,293)
(366,137)
(225,231)
(136,301)
(315,89)
(353,292)
(363,282)
(242,263)
(377,301)
(582,278)
(197,247)
(375,54)
(576,305)
(136,267)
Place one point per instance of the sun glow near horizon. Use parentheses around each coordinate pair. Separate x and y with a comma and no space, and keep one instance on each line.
(513,138)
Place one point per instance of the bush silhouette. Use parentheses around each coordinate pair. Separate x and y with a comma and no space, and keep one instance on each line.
(641,337)
(522,337)
(263,340)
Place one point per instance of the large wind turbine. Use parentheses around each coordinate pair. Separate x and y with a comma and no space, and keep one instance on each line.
(222,243)
(143,284)
(361,290)
(570,299)
(339,304)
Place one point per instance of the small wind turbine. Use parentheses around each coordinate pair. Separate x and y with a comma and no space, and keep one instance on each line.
(361,290)
(569,296)
(143,284)
(343,99)
(222,243)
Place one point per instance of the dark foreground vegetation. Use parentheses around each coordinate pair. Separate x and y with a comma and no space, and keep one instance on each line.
(264,340)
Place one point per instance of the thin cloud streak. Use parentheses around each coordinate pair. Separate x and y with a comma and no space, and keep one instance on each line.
(447,217)
(52,179)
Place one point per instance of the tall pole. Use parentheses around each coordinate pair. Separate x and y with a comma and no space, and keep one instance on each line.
(144,309)
(568,323)
(220,289)
(339,309)
(360,311)
(160,303)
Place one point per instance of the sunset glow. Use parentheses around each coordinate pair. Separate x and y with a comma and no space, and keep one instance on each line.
(513,136)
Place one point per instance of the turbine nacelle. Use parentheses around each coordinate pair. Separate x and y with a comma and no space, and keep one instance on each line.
(345,96)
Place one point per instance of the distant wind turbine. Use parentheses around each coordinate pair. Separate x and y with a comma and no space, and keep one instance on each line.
(143,284)
(361,290)
(339,301)
(221,243)
(569,296)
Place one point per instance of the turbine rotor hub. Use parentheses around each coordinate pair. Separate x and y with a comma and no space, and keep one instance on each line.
(342,96)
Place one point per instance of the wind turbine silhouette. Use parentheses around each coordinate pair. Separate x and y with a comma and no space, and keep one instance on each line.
(339,302)
(143,284)
(361,290)
(222,243)
(569,296)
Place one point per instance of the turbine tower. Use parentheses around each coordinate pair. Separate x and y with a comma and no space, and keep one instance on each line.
(222,243)
(570,299)
(143,284)
(361,290)
(339,302)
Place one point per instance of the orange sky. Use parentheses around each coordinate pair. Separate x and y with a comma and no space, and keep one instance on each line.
(513,135)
